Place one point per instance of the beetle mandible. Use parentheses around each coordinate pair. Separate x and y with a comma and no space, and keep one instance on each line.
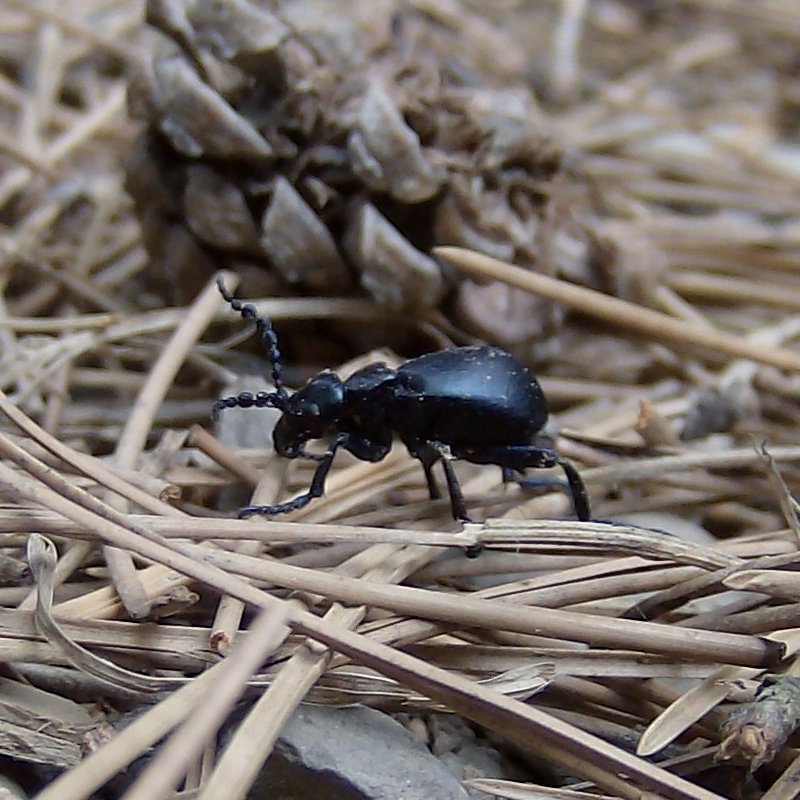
(478,404)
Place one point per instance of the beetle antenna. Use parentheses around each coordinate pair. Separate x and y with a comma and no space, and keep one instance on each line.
(270,340)
(248,400)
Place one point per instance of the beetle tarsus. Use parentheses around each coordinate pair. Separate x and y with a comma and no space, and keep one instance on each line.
(277,508)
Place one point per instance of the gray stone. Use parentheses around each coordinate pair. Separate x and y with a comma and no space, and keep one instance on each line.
(353,754)
(466,755)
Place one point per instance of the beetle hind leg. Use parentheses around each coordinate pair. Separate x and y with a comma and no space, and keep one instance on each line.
(428,453)
(577,488)
(529,482)
(515,458)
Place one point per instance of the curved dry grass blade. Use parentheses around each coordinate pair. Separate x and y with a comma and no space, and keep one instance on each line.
(691,707)
(522,682)
(602,537)
(343,686)
(67,492)
(42,557)
(513,790)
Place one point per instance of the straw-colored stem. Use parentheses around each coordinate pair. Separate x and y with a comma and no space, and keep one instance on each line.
(629,317)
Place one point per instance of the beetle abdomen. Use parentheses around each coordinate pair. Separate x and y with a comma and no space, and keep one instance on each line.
(468,396)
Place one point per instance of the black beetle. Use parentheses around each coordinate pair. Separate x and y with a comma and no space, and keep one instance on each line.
(478,404)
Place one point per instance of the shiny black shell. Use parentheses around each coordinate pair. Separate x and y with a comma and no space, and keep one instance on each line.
(467,396)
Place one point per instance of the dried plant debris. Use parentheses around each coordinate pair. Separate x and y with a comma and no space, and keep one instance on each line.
(625,177)
(336,150)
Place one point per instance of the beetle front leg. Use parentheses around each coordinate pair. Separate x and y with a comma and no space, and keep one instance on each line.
(316,489)
(360,446)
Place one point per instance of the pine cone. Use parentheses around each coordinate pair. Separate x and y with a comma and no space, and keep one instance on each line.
(335,152)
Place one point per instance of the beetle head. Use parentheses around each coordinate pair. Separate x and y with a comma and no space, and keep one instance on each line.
(308,414)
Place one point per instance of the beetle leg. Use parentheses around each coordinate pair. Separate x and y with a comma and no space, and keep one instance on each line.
(457,504)
(518,457)
(316,489)
(577,488)
(360,446)
(428,458)
(433,488)
(514,476)
(456,495)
